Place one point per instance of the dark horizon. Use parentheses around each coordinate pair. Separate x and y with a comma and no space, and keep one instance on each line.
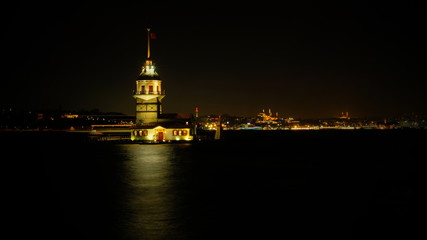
(300,60)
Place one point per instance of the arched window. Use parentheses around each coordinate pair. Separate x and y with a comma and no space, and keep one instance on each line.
(143,132)
(179,132)
(142,89)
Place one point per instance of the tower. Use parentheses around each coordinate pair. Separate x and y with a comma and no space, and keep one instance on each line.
(148,93)
(151,125)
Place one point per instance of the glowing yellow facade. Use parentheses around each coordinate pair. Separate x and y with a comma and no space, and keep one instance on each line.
(161,134)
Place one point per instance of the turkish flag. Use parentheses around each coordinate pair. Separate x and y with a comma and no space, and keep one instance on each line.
(153,36)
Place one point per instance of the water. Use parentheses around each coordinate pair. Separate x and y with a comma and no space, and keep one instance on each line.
(256,185)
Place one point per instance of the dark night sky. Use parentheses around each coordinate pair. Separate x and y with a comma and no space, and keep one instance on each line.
(301,60)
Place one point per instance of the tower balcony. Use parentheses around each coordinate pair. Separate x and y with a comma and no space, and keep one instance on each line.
(149,92)
(149,95)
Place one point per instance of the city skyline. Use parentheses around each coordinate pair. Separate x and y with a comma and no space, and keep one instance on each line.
(306,61)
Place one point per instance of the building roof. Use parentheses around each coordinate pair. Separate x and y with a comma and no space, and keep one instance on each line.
(148,77)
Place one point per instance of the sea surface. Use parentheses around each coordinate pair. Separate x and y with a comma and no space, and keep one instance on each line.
(337,184)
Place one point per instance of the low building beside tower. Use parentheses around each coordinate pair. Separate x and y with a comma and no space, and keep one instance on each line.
(152,125)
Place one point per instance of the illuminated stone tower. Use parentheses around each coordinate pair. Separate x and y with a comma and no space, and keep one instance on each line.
(148,93)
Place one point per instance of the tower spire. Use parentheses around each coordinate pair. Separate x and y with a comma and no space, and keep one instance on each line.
(148,71)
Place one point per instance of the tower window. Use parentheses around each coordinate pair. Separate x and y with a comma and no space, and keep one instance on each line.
(142,89)
(150,89)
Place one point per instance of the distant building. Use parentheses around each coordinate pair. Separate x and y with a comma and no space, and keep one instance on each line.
(264,118)
(344,116)
(268,121)
(151,124)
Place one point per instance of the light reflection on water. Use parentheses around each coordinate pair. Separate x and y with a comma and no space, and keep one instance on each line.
(151,202)
(216,190)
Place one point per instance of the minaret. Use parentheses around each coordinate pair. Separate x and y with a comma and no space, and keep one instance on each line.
(148,93)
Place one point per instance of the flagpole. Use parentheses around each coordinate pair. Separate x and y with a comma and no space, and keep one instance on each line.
(148,43)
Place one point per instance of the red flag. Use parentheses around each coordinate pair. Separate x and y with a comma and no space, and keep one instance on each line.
(153,36)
